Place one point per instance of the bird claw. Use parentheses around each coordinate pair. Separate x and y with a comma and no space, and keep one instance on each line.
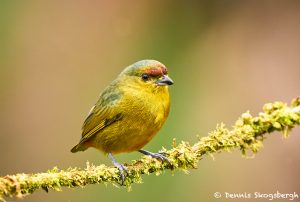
(123,170)
(163,153)
(120,167)
(159,155)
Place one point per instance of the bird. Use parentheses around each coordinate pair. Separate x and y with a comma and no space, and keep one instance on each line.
(129,113)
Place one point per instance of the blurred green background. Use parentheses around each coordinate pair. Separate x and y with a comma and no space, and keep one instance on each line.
(226,57)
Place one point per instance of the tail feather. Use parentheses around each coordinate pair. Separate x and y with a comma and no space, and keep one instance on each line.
(78,147)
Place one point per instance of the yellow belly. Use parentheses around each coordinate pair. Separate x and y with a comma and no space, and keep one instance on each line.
(127,135)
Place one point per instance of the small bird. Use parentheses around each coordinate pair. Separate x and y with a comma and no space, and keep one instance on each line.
(129,112)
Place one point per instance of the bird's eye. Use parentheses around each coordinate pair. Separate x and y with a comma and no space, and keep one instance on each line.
(145,77)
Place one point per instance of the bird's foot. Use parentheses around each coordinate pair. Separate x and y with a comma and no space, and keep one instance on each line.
(163,153)
(123,170)
(159,156)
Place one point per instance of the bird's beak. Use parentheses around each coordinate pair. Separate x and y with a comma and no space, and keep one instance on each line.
(164,81)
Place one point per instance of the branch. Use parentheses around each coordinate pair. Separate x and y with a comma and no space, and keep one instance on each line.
(247,134)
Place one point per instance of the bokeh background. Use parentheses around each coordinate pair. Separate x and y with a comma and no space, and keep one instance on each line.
(226,57)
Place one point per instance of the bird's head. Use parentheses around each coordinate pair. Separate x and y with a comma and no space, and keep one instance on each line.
(149,74)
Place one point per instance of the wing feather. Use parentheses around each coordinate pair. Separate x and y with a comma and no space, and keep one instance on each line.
(104,113)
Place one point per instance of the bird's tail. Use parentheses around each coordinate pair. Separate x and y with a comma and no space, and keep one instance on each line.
(78,147)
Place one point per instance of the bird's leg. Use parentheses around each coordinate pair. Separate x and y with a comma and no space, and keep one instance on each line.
(120,166)
(159,156)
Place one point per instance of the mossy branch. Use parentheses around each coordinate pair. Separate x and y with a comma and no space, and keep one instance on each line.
(247,134)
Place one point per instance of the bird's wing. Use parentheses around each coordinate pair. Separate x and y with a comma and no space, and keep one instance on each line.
(104,113)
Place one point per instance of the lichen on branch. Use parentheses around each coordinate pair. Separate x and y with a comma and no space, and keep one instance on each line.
(247,134)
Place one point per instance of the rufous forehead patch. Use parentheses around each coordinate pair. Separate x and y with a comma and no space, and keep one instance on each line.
(158,70)
(164,70)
